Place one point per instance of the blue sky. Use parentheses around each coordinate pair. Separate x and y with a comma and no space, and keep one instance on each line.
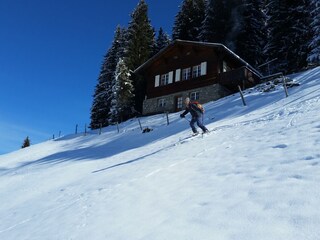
(50,57)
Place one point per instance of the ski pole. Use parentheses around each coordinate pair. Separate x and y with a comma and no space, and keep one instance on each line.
(187,119)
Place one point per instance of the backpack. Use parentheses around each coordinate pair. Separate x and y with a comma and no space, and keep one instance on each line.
(199,106)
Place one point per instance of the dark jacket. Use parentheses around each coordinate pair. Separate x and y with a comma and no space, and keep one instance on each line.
(193,109)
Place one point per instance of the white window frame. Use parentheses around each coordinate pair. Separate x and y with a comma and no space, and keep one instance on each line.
(179,102)
(194,96)
(196,71)
(162,102)
(164,79)
(186,73)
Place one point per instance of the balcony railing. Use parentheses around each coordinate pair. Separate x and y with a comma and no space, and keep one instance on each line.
(243,77)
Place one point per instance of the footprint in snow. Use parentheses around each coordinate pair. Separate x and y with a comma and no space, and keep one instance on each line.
(280,146)
(299,177)
(308,158)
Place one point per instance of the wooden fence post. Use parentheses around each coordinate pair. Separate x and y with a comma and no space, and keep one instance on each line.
(167,114)
(285,85)
(85,129)
(242,97)
(76,132)
(118,127)
(139,123)
(100,131)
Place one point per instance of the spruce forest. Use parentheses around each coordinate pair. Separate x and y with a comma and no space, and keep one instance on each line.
(287,33)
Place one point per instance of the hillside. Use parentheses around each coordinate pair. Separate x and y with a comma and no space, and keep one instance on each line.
(255,176)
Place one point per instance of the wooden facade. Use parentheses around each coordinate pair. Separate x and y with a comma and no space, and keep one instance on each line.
(184,66)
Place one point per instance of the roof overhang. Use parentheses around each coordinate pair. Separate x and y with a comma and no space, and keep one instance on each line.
(184,42)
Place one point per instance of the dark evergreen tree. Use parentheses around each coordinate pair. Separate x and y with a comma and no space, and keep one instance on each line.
(123,94)
(301,36)
(314,55)
(188,21)
(234,24)
(289,34)
(216,24)
(141,42)
(100,110)
(26,143)
(208,24)
(162,41)
(117,50)
(100,106)
(251,32)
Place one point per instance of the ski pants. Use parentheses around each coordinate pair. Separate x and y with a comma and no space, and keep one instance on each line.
(199,122)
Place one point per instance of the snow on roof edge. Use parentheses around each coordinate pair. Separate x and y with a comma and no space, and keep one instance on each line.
(197,43)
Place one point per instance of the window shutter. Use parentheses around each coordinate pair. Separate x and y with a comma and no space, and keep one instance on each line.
(156,82)
(178,74)
(203,68)
(170,77)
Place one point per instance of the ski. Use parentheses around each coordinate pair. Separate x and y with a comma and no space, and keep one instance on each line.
(193,136)
(207,133)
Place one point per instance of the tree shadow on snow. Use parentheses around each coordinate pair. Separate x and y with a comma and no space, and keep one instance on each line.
(101,151)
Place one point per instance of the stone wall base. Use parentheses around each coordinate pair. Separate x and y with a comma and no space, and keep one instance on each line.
(206,94)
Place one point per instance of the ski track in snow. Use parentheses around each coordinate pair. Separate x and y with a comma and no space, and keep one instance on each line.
(255,176)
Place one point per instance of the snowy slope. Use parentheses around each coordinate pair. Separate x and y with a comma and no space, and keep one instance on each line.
(256,176)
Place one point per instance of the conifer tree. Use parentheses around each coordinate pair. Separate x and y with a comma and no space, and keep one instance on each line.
(251,32)
(26,143)
(188,21)
(289,34)
(216,24)
(117,50)
(275,47)
(100,106)
(162,41)
(208,24)
(140,47)
(100,110)
(314,55)
(301,36)
(123,94)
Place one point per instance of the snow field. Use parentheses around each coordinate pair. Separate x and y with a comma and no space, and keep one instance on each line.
(255,176)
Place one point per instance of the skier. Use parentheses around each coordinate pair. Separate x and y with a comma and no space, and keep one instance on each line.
(197,115)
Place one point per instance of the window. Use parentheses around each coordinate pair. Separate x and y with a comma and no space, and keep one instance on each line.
(225,67)
(161,102)
(164,79)
(186,73)
(179,103)
(196,71)
(194,96)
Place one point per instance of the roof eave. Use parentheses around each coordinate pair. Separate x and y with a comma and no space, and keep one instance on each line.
(148,62)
